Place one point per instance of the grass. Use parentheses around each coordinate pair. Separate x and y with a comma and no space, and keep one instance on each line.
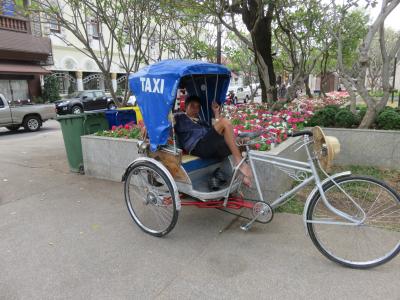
(391,177)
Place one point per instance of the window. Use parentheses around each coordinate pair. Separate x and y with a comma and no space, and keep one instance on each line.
(98,94)
(95,29)
(54,25)
(1,103)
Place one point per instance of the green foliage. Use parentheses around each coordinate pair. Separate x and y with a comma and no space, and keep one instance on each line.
(361,111)
(51,91)
(71,89)
(126,132)
(324,117)
(294,206)
(344,118)
(389,119)
(38,100)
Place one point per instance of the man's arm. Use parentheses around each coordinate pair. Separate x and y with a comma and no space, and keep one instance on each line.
(216,110)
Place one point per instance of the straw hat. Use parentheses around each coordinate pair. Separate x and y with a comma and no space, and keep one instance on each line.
(326,147)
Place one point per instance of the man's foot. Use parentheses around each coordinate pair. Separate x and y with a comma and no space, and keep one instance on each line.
(247,174)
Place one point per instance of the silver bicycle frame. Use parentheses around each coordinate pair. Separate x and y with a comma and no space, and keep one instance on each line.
(299,168)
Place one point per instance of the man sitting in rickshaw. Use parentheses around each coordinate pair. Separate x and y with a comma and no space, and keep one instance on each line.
(200,139)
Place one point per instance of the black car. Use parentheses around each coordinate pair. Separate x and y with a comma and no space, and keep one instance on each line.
(84,100)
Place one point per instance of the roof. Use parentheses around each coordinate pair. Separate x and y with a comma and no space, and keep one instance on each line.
(155,87)
(9,68)
(182,67)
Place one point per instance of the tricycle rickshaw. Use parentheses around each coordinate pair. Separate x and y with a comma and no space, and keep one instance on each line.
(352,220)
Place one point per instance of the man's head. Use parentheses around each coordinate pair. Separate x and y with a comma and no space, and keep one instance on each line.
(192,106)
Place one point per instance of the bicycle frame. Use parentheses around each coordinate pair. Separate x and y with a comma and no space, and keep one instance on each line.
(300,171)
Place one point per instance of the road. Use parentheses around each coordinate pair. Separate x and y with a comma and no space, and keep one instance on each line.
(67,236)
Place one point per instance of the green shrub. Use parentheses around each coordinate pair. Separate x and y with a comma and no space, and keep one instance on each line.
(51,91)
(71,89)
(324,117)
(344,118)
(333,107)
(38,100)
(388,119)
(361,111)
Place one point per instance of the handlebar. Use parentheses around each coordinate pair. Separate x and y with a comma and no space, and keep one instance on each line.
(299,133)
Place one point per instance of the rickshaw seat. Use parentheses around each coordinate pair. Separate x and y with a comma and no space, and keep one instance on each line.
(191,163)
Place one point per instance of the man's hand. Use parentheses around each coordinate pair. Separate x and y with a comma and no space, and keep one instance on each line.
(216,109)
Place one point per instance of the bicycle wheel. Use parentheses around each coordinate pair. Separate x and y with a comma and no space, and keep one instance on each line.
(372,242)
(150,198)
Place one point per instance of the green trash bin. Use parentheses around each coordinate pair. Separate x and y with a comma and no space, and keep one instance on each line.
(73,127)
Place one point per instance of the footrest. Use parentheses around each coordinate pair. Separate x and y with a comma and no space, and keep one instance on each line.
(191,163)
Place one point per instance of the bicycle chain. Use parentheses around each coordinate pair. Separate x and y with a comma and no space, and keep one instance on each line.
(247,218)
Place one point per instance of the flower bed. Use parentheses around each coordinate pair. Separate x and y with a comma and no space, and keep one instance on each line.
(255,117)
(127,131)
(276,125)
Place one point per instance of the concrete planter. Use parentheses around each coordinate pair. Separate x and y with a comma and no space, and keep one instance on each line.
(107,158)
(365,147)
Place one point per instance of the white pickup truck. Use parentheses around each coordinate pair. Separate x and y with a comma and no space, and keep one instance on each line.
(30,116)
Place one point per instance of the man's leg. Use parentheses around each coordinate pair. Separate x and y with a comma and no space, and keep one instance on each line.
(225,128)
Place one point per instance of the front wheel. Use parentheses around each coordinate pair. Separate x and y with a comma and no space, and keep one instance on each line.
(372,238)
(150,198)
(112,106)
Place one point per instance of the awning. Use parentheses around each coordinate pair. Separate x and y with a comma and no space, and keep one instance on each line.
(22,69)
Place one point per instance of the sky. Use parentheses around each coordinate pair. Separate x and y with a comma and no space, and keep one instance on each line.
(393,20)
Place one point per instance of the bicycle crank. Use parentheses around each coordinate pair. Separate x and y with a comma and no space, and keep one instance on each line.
(262,212)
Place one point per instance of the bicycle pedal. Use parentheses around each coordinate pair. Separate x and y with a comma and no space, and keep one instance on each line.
(245,227)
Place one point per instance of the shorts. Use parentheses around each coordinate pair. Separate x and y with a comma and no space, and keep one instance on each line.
(212,145)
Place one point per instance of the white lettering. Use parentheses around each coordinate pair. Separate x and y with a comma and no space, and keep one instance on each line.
(148,85)
(142,79)
(158,85)
(162,86)
(156,81)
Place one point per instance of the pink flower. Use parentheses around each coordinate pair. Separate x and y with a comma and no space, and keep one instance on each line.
(257,146)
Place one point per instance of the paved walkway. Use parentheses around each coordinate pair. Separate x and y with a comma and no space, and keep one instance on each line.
(66,236)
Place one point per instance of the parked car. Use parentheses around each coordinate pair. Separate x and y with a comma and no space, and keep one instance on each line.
(84,100)
(241,92)
(30,116)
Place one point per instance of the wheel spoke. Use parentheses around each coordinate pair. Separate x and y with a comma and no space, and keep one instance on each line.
(147,187)
(370,243)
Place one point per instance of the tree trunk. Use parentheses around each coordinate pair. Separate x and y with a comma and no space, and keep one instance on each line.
(308,91)
(260,30)
(369,118)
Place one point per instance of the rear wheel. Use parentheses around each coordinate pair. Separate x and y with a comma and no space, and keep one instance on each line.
(374,236)
(150,199)
(32,123)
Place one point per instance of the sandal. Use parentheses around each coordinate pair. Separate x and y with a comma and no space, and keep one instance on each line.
(213,183)
(219,175)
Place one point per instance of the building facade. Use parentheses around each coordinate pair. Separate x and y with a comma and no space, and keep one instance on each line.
(24,52)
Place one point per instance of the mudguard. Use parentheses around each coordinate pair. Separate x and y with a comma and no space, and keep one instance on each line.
(315,190)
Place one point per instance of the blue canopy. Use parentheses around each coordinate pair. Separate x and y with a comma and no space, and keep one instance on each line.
(155,87)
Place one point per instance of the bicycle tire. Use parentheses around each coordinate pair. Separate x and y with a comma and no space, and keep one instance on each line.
(341,239)
(152,182)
